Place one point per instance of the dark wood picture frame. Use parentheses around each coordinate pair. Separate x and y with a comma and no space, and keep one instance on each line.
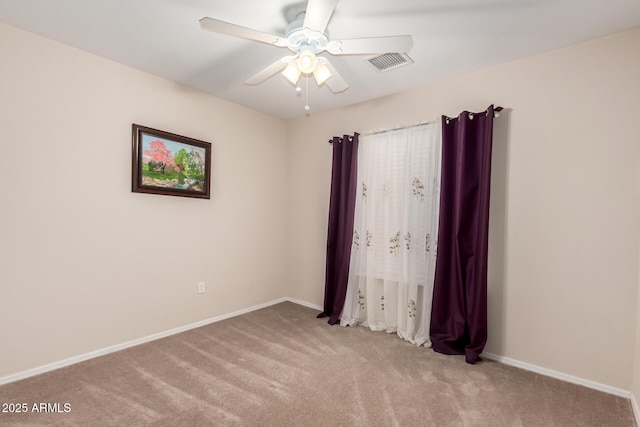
(169,164)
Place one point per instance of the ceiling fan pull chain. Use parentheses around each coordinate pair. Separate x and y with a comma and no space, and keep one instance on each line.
(306,107)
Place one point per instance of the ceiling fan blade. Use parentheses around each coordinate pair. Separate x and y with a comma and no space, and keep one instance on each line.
(317,17)
(371,45)
(336,83)
(221,27)
(269,71)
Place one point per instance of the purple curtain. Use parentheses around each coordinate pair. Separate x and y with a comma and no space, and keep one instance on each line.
(459,313)
(342,205)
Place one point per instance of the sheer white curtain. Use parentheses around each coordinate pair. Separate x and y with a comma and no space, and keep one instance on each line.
(394,240)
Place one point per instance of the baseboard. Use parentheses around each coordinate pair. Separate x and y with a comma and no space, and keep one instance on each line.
(304,303)
(559,375)
(81,358)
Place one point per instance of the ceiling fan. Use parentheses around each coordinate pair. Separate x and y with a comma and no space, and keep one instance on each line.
(306,38)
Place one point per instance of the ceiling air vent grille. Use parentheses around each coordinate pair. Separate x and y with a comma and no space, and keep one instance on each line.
(390,61)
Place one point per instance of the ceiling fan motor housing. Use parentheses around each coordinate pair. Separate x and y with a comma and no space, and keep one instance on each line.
(299,40)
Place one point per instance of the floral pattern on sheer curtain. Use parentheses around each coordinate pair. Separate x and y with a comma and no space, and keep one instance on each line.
(393,252)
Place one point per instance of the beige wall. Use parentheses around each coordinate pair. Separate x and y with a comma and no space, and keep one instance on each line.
(564,230)
(85,263)
(635,381)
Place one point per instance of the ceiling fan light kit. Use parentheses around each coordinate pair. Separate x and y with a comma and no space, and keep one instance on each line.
(321,73)
(307,60)
(307,38)
(292,72)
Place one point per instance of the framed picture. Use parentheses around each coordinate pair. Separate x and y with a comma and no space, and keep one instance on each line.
(169,164)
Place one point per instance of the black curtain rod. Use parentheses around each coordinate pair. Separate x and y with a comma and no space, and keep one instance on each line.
(497,109)
(496,113)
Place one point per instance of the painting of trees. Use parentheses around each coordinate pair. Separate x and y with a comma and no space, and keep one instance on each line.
(170,164)
(165,163)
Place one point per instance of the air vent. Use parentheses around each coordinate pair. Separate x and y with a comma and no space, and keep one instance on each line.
(390,61)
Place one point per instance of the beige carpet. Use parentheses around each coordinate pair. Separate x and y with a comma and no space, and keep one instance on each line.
(280,366)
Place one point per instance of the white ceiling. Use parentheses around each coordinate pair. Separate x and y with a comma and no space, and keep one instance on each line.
(163,37)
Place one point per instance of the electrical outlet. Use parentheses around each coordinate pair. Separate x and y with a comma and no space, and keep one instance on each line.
(201,287)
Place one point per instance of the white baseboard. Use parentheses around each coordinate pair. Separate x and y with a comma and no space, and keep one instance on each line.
(559,375)
(81,358)
(304,303)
